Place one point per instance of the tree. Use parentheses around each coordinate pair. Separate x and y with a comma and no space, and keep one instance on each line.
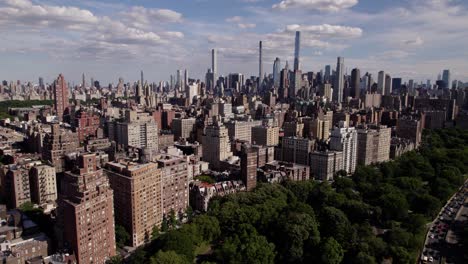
(401,256)
(332,253)
(155,232)
(181,242)
(139,256)
(364,258)
(208,226)
(121,236)
(172,219)
(189,213)
(252,249)
(164,225)
(168,257)
(115,260)
(334,223)
(294,230)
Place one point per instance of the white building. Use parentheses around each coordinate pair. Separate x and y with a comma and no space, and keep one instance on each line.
(345,140)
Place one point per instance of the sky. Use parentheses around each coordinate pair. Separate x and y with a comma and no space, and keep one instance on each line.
(108,39)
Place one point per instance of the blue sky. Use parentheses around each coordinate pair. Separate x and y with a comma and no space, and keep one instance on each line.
(111,39)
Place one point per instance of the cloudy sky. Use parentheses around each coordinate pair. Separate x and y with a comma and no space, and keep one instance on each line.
(111,39)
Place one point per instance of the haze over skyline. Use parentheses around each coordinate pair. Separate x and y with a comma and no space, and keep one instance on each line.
(106,40)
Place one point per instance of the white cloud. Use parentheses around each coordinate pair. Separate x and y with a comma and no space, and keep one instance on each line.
(234,19)
(239,21)
(24,12)
(246,25)
(321,5)
(418,41)
(327,30)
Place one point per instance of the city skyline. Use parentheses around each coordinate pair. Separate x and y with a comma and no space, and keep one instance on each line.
(107,40)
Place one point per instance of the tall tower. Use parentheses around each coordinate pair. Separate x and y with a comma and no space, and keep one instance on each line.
(446,78)
(60,89)
(142,79)
(339,81)
(388,84)
(86,212)
(381,83)
(276,72)
(249,167)
(186,78)
(356,83)
(260,64)
(83,82)
(214,67)
(297,48)
(327,76)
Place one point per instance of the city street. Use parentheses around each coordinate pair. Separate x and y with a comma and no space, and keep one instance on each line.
(442,242)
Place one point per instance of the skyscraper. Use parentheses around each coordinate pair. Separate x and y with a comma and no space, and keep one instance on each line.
(60,89)
(186,78)
(345,140)
(142,79)
(137,197)
(381,83)
(214,67)
(260,64)
(327,76)
(355,83)
(388,84)
(446,78)
(297,48)
(396,84)
(83,81)
(339,81)
(86,212)
(276,72)
(216,145)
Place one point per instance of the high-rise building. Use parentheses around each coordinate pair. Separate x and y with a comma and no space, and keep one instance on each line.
(57,144)
(410,128)
(345,140)
(85,212)
(216,145)
(183,127)
(43,185)
(293,129)
(214,68)
(241,130)
(356,83)
(265,135)
(142,79)
(249,167)
(373,144)
(388,85)
(60,89)
(284,84)
(15,185)
(325,164)
(446,78)
(325,90)
(137,198)
(260,64)
(139,130)
(339,81)
(381,83)
(327,76)
(295,150)
(277,72)
(175,183)
(297,49)
(396,84)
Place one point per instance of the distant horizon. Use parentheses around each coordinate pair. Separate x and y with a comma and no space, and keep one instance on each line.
(415,39)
